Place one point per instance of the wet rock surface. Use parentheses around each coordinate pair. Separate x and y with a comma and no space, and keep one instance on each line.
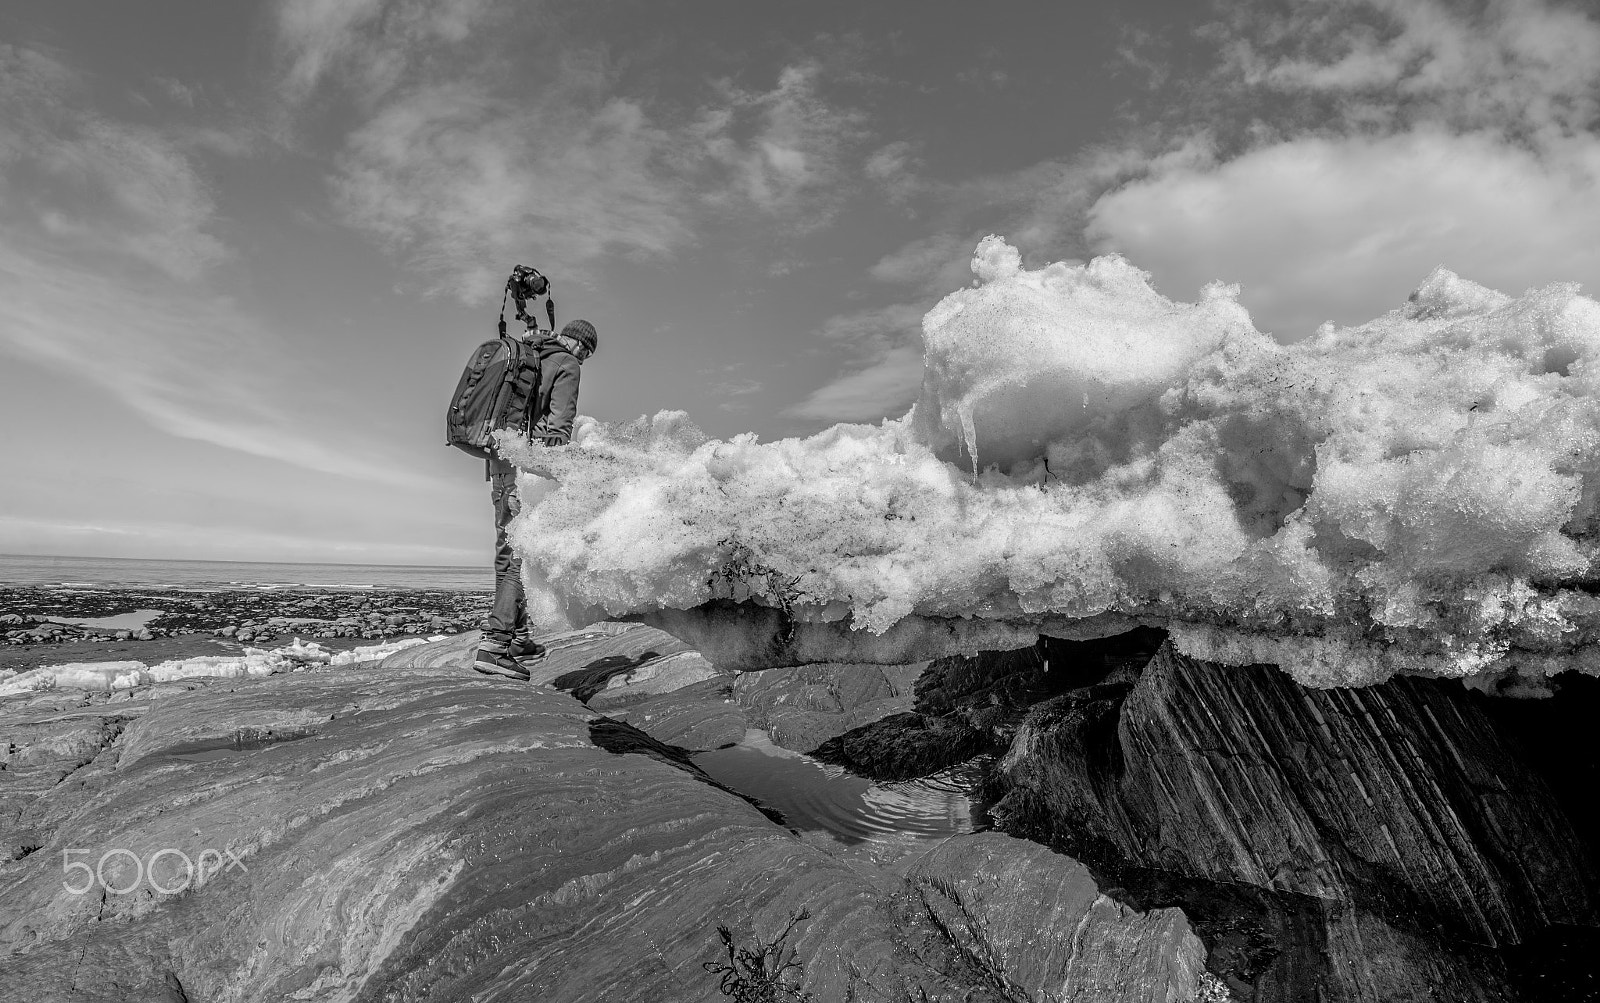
(414,830)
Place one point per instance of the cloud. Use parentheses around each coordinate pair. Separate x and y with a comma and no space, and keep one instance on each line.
(896,169)
(479,140)
(1360,143)
(940,262)
(460,182)
(1350,145)
(736,387)
(186,362)
(369,45)
(781,150)
(104,252)
(72,175)
(1526,66)
(1317,229)
(885,374)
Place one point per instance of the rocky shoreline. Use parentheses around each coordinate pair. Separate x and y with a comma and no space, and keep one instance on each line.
(1162,830)
(37,623)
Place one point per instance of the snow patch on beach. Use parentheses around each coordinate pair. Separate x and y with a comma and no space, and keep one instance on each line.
(127,675)
(1414,494)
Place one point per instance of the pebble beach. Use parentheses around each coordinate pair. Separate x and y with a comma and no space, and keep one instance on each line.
(42,625)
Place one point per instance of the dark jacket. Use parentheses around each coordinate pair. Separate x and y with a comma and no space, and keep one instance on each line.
(555,406)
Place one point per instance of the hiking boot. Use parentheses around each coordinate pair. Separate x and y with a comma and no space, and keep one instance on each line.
(494,659)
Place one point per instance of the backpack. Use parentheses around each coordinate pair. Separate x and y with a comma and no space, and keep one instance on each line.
(498,389)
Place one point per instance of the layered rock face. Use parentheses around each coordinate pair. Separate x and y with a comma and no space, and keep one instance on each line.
(1330,844)
(1412,840)
(416,831)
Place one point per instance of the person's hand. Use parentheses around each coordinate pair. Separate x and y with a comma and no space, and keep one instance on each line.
(554,440)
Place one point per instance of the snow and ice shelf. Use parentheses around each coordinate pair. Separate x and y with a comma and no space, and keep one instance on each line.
(1415,494)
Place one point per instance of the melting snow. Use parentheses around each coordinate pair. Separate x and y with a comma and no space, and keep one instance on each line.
(104,676)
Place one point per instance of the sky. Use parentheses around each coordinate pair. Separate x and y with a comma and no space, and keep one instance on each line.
(245,248)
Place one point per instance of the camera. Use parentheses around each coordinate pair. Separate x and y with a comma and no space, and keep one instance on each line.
(525,284)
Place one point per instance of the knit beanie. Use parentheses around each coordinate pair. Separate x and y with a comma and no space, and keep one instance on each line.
(583,333)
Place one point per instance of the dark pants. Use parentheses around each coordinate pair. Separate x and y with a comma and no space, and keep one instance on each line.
(508,617)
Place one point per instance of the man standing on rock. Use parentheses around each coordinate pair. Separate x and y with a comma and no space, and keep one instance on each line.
(506,648)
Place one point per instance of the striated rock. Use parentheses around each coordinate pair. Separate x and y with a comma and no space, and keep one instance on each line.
(651,676)
(387,832)
(1037,921)
(1372,843)
(697,717)
(40,748)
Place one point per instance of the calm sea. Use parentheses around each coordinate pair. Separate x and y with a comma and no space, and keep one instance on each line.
(20,569)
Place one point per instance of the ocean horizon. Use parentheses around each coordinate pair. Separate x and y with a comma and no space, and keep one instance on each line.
(131,572)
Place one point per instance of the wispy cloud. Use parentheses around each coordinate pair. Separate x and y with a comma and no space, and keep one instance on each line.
(460,182)
(883,374)
(479,141)
(896,168)
(185,361)
(781,150)
(369,45)
(72,175)
(105,248)
(1522,66)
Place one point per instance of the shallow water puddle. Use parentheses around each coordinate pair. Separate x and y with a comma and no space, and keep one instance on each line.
(215,749)
(122,621)
(816,797)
